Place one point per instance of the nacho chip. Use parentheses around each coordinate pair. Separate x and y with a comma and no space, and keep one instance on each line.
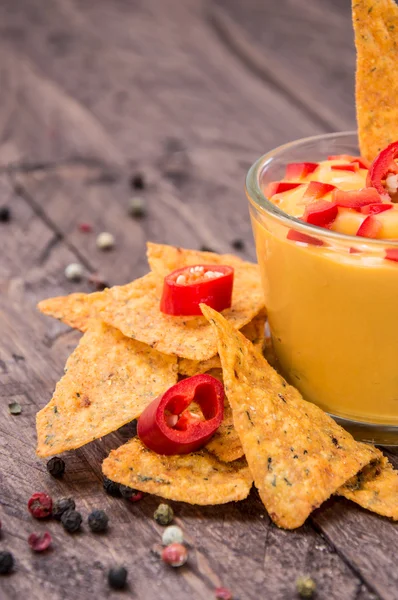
(297,454)
(75,310)
(109,381)
(374,488)
(134,310)
(225,443)
(196,478)
(376,40)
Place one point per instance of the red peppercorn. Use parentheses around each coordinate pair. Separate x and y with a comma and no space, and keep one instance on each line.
(85,227)
(39,541)
(222,593)
(40,505)
(175,555)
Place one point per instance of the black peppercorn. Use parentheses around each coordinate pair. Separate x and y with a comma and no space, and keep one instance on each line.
(71,520)
(56,466)
(61,506)
(5,214)
(98,521)
(127,492)
(6,562)
(111,487)
(137,181)
(117,577)
(238,244)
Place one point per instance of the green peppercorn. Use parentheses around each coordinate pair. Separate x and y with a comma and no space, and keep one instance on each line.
(117,577)
(111,487)
(137,207)
(305,586)
(163,514)
(6,562)
(61,506)
(56,466)
(71,520)
(98,521)
(15,408)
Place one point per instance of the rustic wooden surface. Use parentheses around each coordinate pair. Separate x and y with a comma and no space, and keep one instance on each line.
(189,92)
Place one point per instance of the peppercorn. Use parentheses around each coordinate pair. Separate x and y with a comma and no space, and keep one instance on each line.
(61,506)
(40,505)
(111,487)
(6,562)
(71,520)
(98,521)
(56,466)
(172,535)
(137,208)
(137,181)
(5,214)
(117,577)
(39,542)
(163,514)
(222,593)
(238,244)
(74,272)
(105,241)
(130,494)
(175,555)
(305,586)
(15,408)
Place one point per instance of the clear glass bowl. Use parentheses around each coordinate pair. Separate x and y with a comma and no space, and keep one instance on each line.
(331,302)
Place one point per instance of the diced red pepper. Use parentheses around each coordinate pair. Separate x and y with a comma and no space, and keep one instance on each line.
(300,170)
(370,227)
(316,190)
(356,198)
(392,254)
(184,289)
(359,160)
(277,187)
(168,427)
(321,213)
(351,167)
(383,164)
(297,236)
(375,209)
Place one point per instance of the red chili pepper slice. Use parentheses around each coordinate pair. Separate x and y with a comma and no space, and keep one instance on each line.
(299,170)
(359,160)
(370,227)
(277,187)
(297,236)
(351,167)
(392,254)
(356,198)
(321,213)
(184,289)
(168,427)
(380,167)
(375,209)
(316,190)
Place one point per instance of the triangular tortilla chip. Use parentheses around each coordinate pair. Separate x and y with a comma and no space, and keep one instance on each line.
(376,40)
(374,488)
(196,478)
(297,454)
(74,310)
(109,380)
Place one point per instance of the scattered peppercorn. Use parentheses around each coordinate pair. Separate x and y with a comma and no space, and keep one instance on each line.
(5,214)
(85,227)
(130,494)
(117,577)
(171,535)
(98,521)
(98,281)
(74,272)
(305,586)
(61,506)
(6,562)
(39,541)
(175,555)
(137,181)
(40,505)
(163,514)
(238,244)
(56,466)
(111,487)
(71,520)
(222,593)
(105,241)
(137,207)
(14,408)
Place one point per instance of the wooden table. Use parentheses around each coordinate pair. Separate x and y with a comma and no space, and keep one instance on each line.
(188,92)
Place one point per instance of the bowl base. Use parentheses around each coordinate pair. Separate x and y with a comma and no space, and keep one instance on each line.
(386,435)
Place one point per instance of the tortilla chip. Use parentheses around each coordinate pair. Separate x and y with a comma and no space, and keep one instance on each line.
(376,40)
(134,310)
(226,444)
(297,454)
(196,478)
(109,380)
(75,310)
(375,488)
(254,331)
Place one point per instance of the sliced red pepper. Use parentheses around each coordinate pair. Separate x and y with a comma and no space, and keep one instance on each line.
(351,167)
(168,427)
(277,187)
(356,198)
(297,236)
(369,228)
(361,162)
(300,170)
(380,167)
(184,289)
(392,254)
(316,190)
(321,213)
(375,209)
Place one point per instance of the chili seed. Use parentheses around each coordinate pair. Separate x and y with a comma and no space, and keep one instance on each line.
(40,505)
(111,487)
(98,521)
(5,214)
(163,514)
(171,535)
(14,408)
(105,241)
(137,207)
(175,555)
(137,181)
(61,506)
(117,577)
(74,272)
(85,227)
(56,466)
(6,562)
(222,593)
(71,520)
(39,541)
(305,586)
(130,494)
